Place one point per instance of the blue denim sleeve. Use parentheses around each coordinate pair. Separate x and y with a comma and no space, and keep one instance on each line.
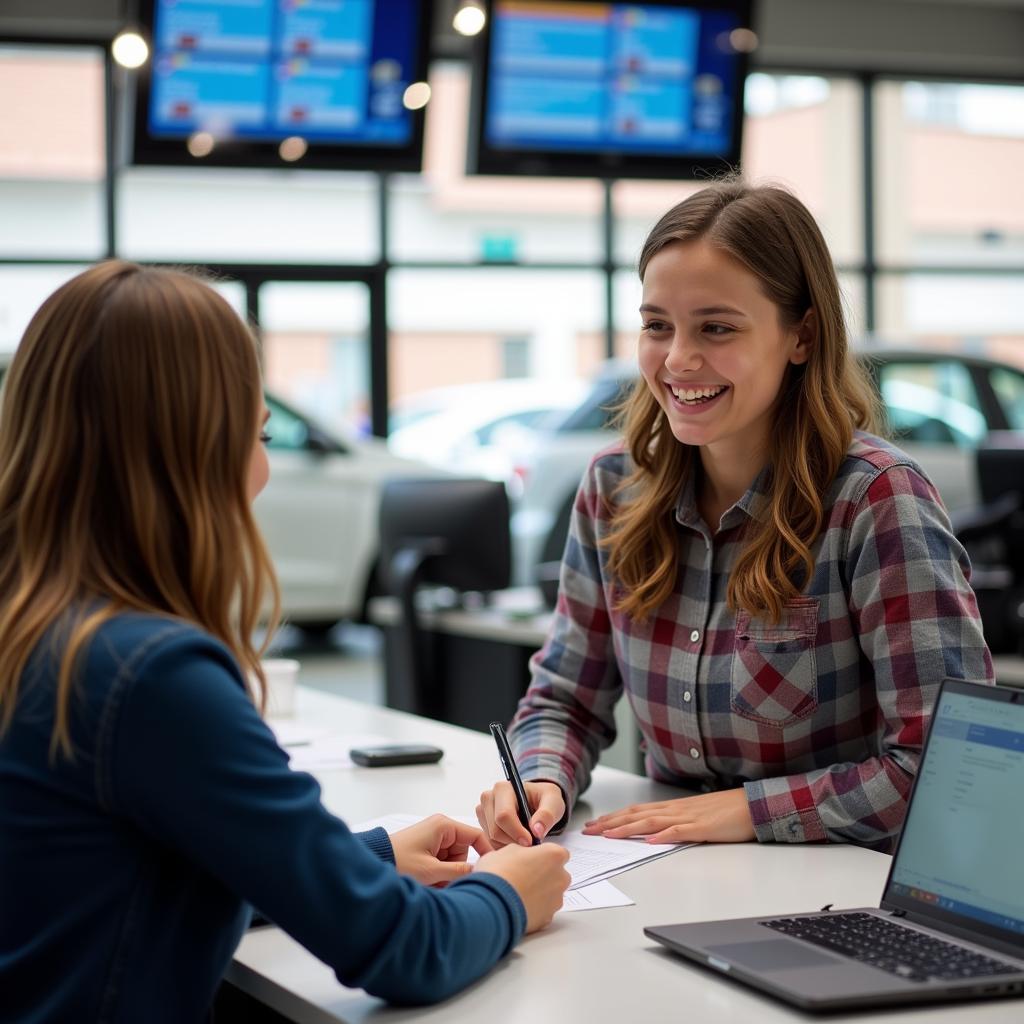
(190,761)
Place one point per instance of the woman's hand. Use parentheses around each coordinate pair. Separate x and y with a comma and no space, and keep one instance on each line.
(537,874)
(499,816)
(434,850)
(708,818)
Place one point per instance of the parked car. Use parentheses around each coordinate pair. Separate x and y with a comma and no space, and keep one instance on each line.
(318,514)
(476,428)
(940,405)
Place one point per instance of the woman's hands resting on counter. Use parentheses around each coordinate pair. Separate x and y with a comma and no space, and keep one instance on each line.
(722,817)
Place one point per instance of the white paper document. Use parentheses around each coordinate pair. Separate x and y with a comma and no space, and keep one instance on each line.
(593,858)
(595,896)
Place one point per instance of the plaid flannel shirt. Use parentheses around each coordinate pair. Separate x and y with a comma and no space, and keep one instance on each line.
(819,717)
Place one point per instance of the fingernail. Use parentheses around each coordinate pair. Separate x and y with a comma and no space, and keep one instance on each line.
(525,842)
(538,830)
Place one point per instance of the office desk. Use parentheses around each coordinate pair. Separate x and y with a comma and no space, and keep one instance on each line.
(594,966)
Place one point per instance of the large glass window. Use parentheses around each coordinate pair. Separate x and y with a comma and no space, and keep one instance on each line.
(452,327)
(22,291)
(949,167)
(52,163)
(316,350)
(804,131)
(978,313)
(238,216)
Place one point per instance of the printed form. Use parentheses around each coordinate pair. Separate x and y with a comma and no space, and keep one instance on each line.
(592,860)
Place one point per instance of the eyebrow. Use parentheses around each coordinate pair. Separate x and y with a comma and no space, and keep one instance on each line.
(703,311)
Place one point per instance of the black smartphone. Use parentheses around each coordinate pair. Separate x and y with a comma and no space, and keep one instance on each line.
(396,753)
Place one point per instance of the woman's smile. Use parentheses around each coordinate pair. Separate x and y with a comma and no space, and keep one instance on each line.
(695,400)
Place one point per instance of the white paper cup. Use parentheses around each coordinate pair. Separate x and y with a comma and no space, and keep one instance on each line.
(282,680)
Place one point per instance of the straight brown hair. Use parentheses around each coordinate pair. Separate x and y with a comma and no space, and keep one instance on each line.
(772,235)
(127,425)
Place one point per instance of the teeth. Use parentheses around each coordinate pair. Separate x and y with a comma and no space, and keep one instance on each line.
(692,394)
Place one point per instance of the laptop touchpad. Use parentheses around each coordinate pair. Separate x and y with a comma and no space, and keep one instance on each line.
(771,955)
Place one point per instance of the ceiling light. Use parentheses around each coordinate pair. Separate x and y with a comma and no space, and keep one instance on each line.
(469,18)
(416,96)
(129,49)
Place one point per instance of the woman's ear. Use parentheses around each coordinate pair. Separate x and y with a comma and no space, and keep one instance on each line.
(806,337)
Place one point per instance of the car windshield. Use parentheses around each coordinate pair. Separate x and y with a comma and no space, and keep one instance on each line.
(919,413)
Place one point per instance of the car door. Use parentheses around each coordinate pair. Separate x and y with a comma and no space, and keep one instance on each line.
(318,517)
(936,417)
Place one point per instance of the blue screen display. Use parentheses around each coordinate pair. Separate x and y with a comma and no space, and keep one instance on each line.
(964,831)
(331,71)
(625,78)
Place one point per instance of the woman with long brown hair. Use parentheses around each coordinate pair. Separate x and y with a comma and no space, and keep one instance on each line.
(144,804)
(776,588)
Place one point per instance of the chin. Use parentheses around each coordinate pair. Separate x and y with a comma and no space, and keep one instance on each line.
(691,437)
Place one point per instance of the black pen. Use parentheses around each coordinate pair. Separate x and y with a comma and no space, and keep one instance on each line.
(508,763)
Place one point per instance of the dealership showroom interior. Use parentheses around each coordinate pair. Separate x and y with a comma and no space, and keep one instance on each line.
(643,378)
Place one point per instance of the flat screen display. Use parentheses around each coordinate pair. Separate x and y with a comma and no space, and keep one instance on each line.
(649,89)
(247,74)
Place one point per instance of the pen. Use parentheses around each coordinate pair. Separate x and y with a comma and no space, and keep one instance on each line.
(508,763)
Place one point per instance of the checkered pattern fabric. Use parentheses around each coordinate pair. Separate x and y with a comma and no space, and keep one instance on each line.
(821,716)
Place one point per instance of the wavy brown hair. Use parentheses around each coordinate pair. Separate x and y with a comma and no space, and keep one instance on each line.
(771,234)
(127,425)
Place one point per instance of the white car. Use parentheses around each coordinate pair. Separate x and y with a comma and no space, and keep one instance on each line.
(478,428)
(318,514)
(940,405)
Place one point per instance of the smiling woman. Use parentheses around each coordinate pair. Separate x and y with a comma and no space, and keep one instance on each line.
(775,587)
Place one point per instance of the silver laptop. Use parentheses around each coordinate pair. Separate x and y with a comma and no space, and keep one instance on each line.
(951,921)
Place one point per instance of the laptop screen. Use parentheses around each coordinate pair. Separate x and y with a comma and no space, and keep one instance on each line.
(958,857)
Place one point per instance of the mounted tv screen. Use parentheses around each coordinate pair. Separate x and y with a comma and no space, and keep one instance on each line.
(652,90)
(229,81)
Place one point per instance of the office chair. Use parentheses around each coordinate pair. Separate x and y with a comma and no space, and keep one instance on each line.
(449,532)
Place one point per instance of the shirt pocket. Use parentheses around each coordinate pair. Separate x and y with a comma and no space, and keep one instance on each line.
(774,673)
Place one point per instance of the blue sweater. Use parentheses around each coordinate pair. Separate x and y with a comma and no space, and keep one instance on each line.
(126,874)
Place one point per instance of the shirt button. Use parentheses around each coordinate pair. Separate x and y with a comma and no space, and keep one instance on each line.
(687,697)
(694,753)
(694,636)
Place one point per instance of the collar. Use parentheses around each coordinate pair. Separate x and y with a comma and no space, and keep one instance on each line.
(753,503)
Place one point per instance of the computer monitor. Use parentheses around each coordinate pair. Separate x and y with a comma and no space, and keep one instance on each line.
(651,89)
(229,81)
(459,528)
(452,532)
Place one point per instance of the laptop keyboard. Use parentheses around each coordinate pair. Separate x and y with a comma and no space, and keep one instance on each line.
(910,954)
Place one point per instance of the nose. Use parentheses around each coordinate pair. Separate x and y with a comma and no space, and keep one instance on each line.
(684,356)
